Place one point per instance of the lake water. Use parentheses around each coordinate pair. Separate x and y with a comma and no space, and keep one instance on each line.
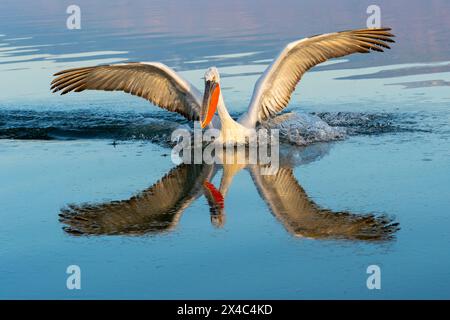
(82,175)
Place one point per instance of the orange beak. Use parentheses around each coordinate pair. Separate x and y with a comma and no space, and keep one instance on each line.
(210,101)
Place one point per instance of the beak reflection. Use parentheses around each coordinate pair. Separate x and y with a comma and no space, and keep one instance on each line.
(216,204)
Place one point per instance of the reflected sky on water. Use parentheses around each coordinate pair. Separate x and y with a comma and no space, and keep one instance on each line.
(93,153)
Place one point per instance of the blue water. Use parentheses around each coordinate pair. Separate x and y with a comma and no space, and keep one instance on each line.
(86,150)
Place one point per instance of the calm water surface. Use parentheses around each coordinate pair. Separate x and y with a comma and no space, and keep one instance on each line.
(82,176)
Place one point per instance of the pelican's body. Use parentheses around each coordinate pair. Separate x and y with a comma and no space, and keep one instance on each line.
(163,87)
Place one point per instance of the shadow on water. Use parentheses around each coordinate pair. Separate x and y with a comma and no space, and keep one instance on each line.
(158,209)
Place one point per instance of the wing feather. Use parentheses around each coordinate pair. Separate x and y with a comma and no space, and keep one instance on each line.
(152,81)
(274,88)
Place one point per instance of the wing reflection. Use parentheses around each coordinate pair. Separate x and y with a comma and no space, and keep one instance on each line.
(301,216)
(158,208)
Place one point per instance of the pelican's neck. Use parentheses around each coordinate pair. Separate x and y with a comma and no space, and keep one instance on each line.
(224,116)
(231,131)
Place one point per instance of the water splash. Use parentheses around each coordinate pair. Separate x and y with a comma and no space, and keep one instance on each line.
(82,124)
(295,128)
(304,129)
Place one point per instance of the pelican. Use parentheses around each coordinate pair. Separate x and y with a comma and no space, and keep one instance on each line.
(165,88)
(158,209)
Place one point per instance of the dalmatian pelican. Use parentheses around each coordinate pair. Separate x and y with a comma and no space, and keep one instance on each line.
(165,88)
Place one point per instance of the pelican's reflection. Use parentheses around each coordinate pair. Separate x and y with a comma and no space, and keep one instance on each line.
(158,208)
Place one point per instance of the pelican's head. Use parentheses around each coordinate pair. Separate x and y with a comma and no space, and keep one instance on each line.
(210,96)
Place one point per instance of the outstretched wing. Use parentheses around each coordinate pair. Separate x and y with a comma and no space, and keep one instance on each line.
(302,217)
(155,82)
(274,88)
(154,210)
